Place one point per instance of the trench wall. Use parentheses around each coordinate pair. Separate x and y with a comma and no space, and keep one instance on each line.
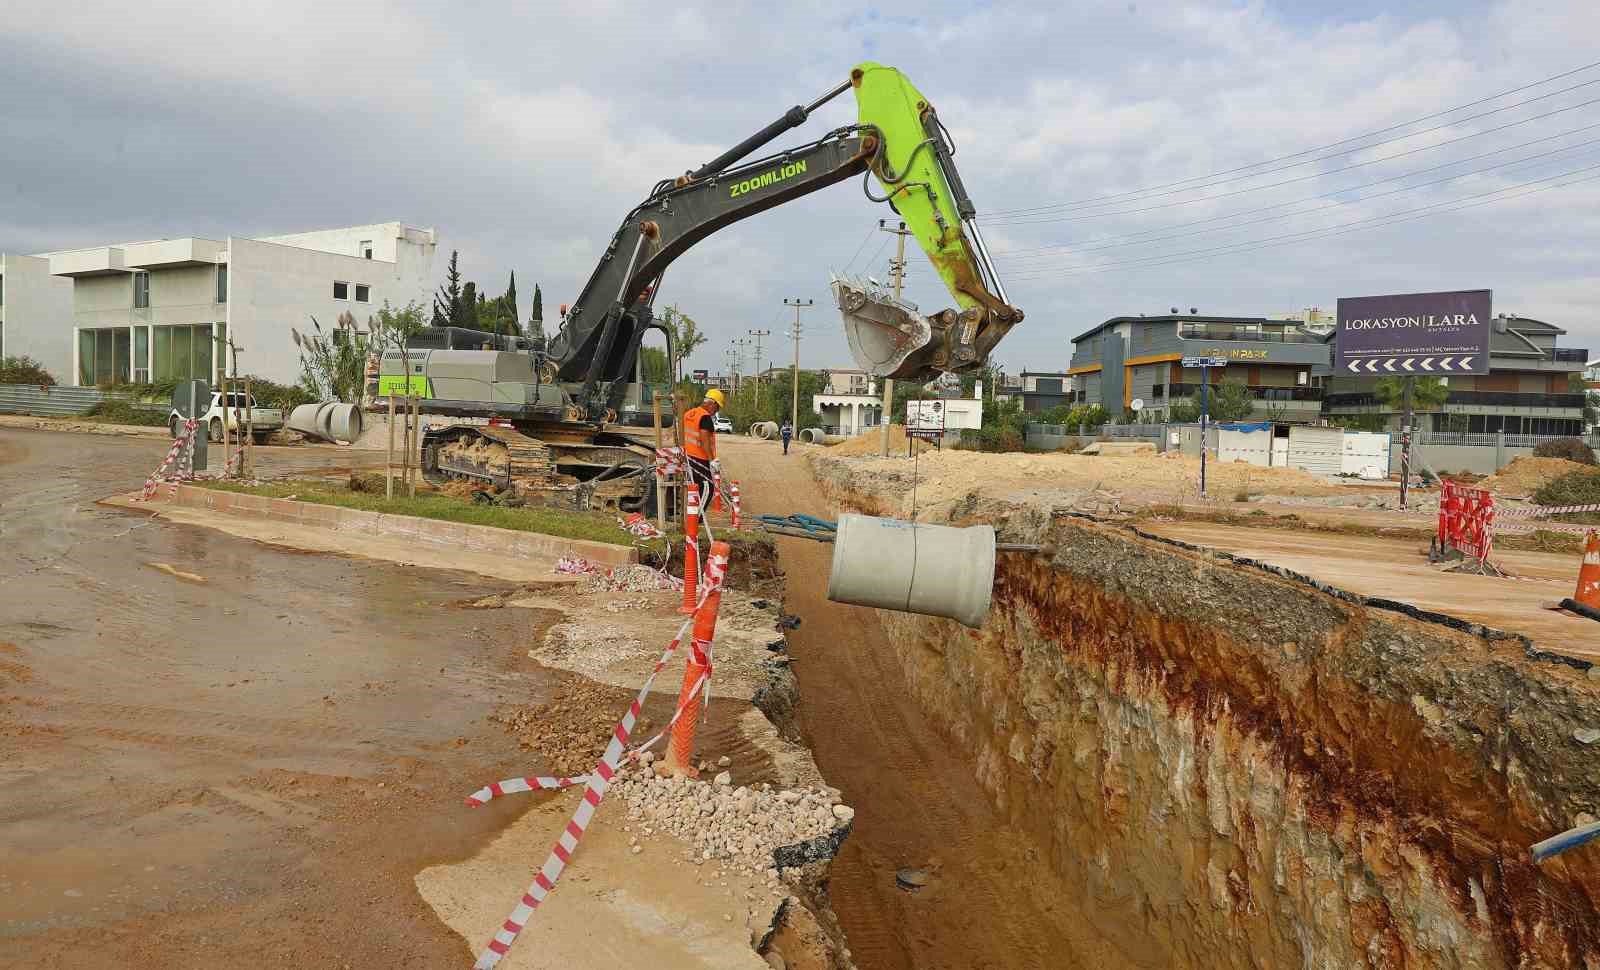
(1256,773)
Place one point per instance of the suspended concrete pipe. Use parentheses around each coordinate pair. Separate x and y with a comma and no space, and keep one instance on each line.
(910,567)
(330,421)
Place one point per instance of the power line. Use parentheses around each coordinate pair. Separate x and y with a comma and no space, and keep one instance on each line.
(1268,242)
(1313,198)
(859,249)
(1150,192)
(1057,252)
(1314,175)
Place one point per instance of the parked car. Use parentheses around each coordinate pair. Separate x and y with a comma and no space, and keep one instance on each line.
(240,413)
(722,424)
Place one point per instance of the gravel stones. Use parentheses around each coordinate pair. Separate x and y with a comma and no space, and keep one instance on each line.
(759,830)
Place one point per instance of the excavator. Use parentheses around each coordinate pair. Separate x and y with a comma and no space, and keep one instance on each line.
(545,418)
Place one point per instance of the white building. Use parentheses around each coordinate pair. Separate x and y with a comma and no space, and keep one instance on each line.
(852,412)
(35,311)
(154,310)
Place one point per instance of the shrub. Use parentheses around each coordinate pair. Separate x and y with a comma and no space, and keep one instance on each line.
(25,370)
(271,394)
(119,411)
(1572,449)
(1573,489)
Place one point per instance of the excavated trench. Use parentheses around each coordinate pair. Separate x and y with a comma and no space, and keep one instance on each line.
(1245,770)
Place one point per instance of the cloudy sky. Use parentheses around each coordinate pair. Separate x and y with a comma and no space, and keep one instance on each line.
(1125,157)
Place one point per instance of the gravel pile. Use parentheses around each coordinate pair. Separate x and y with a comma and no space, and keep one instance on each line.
(736,827)
(632,578)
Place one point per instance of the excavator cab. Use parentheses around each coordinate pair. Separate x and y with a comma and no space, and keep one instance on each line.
(914,164)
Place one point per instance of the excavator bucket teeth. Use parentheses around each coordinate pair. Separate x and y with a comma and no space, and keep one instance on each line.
(885,333)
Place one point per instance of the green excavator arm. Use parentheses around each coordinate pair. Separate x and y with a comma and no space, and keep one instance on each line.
(914,164)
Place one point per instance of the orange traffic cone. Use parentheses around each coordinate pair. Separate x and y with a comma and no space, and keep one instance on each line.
(1589,573)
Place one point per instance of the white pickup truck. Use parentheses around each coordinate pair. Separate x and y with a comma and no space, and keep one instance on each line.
(240,413)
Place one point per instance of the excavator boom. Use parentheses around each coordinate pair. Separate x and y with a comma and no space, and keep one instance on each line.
(898,141)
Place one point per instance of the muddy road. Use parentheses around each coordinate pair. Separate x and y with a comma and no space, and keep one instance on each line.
(991,902)
(241,768)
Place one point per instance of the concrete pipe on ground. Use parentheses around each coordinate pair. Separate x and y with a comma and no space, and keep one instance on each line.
(765,430)
(910,567)
(329,421)
(810,436)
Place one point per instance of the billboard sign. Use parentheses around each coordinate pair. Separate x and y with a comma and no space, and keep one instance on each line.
(700,376)
(925,416)
(1414,334)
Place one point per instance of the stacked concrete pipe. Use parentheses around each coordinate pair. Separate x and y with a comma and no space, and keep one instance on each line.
(765,430)
(328,421)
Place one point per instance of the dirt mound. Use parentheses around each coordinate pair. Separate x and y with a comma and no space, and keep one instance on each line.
(1525,474)
(871,443)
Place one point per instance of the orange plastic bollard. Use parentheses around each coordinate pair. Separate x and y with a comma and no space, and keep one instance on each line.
(1589,573)
(680,749)
(716,488)
(691,549)
(733,494)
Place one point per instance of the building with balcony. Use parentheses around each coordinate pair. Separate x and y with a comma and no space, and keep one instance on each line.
(158,310)
(1533,387)
(35,309)
(1140,358)
(1043,390)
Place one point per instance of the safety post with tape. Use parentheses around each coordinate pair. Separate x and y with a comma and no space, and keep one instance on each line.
(691,548)
(680,749)
(733,492)
(716,486)
(183,444)
(597,782)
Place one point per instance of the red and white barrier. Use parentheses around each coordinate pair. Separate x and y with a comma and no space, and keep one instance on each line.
(734,494)
(182,445)
(1466,520)
(669,462)
(596,783)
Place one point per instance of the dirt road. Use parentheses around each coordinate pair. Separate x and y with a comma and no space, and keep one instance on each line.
(990,905)
(243,766)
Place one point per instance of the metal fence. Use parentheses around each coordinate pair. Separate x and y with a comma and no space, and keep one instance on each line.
(49,402)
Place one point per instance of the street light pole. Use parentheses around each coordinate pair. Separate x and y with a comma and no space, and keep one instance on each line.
(897,270)
(794,403)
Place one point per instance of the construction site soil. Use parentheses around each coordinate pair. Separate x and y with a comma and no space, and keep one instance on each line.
(1239,766)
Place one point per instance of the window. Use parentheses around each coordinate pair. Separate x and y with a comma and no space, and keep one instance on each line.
(364,250)
(222,284)
(341,291)
(182,353)
(363,293)
(141,355)
(141,291)
(104,356)
(1158,390)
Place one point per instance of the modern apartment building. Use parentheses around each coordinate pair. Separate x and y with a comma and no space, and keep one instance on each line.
(1140,358)
(1043,390)
(157,310)
(1533,387)
(35,306)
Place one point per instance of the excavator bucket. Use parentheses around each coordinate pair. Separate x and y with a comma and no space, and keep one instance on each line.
(884,333)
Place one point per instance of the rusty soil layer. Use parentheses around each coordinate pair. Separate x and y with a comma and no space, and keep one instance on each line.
(1252,769)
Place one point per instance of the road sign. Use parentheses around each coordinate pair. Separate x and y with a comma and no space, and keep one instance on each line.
(925,416)
(1414,334)
(1138,404)
(1204,362)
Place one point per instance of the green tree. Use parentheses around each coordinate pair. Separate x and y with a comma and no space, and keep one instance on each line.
(467,312)
(686,335)
(536,315)
(1184,410)
(1231,400)
(333,364)
(654,366)
(447,302)
(1429,394)
(509,304)
(25,370)
(391,328)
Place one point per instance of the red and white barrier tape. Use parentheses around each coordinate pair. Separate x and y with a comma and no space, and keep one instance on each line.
(638,525)
(669,461)
(734,501)
(544,881)
(1540,511)
(183,443)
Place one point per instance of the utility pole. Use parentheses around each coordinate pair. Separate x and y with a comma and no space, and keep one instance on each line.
(1405,441)
(897,270)
(738,368)
(758,334)
(794,404)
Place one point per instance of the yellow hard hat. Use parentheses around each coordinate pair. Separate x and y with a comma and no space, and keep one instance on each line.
(715,394)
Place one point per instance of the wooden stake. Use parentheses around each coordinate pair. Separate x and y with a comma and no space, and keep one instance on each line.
(249,430)
(661,484)
(388,464)
(414,453)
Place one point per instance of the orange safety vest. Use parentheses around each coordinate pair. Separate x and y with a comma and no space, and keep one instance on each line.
(697,443)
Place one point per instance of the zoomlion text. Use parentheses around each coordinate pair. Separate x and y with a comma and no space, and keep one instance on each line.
(762,181)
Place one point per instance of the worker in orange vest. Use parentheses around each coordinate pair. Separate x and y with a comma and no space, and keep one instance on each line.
(700,441)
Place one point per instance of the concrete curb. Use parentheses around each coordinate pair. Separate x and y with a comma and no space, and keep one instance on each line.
(31,423)
(481,539)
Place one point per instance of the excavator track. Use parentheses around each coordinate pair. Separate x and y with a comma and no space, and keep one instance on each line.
(608,472)
(498,456)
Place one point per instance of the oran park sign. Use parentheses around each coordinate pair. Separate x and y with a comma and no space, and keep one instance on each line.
(1414,333)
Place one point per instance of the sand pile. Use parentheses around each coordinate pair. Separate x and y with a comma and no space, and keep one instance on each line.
(1526,474)
(871,443)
